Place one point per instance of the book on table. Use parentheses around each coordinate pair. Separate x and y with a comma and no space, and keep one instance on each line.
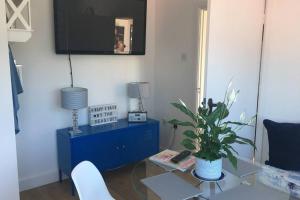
(164,158)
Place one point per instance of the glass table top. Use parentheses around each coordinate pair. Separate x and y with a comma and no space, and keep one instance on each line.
(146,169)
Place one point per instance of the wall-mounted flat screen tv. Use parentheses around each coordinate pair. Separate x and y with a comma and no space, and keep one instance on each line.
(111,27)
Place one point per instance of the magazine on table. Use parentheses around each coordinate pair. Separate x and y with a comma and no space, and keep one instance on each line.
(164,158)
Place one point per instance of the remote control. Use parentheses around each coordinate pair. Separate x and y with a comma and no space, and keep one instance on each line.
(181,156)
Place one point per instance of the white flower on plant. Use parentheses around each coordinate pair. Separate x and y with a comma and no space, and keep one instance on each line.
(244,120)
(252,121)
(232,96)
(243,117)
(182,103)
(229,85)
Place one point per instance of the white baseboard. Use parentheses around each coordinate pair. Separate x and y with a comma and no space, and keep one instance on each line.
(38,180)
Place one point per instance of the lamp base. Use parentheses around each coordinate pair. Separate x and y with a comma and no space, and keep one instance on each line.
(75,132)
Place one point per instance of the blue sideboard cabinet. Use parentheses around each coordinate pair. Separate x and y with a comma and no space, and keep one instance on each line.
(107,146)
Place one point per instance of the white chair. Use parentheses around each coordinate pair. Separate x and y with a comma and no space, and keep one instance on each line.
(89,182)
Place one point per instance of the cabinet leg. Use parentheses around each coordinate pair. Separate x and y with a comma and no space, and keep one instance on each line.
(72,188)
(60,176)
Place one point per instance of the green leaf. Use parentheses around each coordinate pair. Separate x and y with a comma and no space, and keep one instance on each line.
(229,139)
(188,144)
(183,108)
(226,130)
(231,157)
(237,123)
(230,147)
(180,123)
(202,111)
(200,125)
(207,155)
(224,111)
(247,141)
(190,134)
(221,112)
(240,142)
(204,155)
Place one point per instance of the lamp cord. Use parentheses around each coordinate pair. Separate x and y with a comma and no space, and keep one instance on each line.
(172,141)
(68,46)
(71,69)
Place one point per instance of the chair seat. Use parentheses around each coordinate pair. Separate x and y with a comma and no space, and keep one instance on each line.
(89,182)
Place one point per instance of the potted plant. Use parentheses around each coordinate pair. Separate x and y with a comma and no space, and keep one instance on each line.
(210,136)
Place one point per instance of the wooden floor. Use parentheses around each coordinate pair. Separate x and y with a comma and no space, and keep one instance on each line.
(118,182)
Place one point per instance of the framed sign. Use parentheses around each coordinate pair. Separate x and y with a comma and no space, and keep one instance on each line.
(103,114)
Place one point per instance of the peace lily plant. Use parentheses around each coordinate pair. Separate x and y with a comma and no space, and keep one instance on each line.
(210,136)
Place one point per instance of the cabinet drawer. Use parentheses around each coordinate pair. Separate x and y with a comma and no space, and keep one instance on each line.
(102,149)
(139,143)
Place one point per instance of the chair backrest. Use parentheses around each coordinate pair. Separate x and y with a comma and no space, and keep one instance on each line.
(89,182)
(284,145)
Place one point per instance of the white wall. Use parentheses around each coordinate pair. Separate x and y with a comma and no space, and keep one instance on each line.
(175,60)
(280,93)
(45,73)
(235,32)
(9,188)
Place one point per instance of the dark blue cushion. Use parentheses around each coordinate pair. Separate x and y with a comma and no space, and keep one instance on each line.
(284,145)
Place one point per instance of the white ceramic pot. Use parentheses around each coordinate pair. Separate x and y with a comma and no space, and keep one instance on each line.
(211,170)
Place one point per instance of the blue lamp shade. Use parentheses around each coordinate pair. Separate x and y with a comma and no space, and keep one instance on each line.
(74,98)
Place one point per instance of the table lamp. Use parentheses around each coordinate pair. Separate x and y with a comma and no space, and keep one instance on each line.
(139,91)
(74,98)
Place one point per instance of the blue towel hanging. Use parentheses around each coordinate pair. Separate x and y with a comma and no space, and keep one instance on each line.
(16,88)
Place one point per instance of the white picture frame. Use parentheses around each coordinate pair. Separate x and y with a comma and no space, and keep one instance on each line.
(103,114)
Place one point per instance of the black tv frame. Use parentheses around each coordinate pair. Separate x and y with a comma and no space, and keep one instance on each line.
(76,52)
